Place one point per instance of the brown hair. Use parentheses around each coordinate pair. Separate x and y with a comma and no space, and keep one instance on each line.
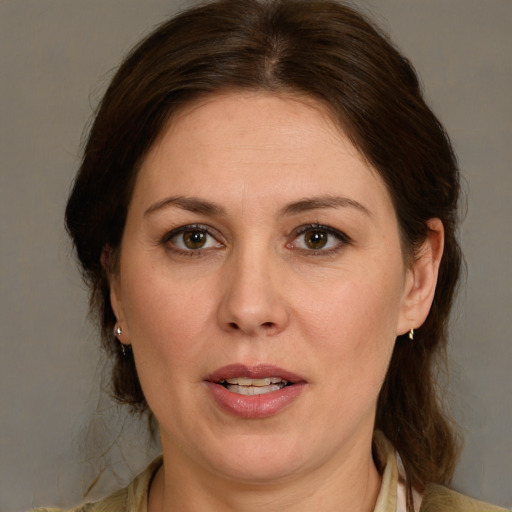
(329,52)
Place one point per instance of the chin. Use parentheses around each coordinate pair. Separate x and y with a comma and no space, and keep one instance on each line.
(255,460)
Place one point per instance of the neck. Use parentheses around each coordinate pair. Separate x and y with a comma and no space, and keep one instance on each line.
(349,484)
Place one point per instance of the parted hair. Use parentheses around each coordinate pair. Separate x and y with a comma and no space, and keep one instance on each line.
(327,51)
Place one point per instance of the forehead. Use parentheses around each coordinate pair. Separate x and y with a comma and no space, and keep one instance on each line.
(256,144)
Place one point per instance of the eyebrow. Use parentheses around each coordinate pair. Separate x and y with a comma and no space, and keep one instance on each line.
(197,205)
(191,204)
(317,203)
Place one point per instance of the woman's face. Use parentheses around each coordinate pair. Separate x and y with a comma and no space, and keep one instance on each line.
(260,244)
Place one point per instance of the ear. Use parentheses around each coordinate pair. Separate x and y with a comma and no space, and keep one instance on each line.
(115,292)
(421,279)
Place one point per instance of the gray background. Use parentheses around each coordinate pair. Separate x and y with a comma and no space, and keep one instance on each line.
(55,58)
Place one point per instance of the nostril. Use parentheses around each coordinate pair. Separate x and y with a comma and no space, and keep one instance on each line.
(268,325)
(234,325)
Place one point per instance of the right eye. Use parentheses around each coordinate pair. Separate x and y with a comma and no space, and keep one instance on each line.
(191,239)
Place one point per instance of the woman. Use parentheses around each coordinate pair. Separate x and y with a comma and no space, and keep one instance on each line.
(266,215)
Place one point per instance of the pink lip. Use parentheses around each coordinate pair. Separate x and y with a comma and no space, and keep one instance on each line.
(252,372)
(254,406)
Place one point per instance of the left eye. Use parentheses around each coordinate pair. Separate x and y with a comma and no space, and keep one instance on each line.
(318,238)
(190,238)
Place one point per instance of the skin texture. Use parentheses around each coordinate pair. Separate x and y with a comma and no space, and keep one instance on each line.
(256,293)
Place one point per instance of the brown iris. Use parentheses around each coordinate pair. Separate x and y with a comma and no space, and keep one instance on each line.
(194,239)
(316,239)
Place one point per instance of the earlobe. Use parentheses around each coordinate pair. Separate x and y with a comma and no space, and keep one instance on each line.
(422,279)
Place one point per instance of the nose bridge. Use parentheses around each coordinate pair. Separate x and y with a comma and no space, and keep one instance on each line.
(252,301)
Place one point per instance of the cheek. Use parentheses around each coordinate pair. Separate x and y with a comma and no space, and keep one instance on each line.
(167,321)
(353,337)
(165,317)
(353,328)
(353,309)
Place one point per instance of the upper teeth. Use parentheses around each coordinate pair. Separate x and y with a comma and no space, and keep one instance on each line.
(267,381)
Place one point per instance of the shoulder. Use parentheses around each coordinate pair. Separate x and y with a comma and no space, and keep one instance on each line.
(116,502)
(130,499)
(441,499)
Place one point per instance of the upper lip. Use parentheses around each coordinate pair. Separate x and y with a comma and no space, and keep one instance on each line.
(253,372)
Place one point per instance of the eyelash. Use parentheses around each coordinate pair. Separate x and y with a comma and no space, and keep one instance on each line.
(342,238)
(200,228)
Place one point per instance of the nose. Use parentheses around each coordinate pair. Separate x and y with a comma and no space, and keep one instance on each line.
(253,302)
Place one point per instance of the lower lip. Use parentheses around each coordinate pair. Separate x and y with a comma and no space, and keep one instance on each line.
(255,406)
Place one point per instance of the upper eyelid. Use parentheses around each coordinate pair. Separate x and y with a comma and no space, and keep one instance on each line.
(321,227)
(176,232)
(169,235)
(190,227)
(343,240)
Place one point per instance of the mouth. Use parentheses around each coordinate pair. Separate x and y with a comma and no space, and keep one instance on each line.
(246,386)
(254,392)
(253,380)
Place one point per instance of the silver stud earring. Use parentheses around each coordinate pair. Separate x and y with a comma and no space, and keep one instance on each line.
(411,334)
(117,332)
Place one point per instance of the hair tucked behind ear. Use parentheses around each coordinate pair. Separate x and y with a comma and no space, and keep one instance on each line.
(331,53)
